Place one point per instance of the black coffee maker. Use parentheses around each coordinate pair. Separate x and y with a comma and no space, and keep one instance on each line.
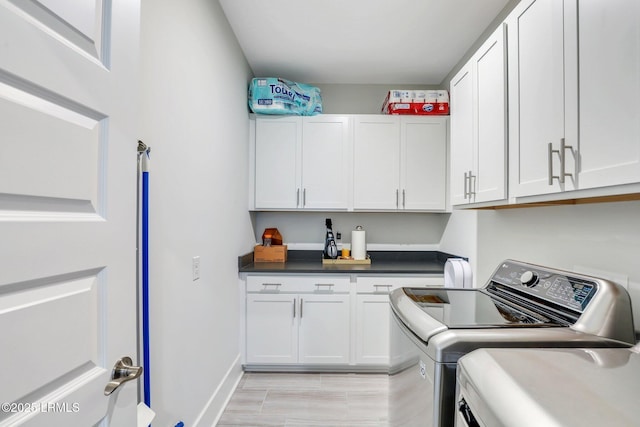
(330,248)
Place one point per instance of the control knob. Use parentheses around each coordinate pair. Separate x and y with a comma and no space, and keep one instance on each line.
(529,278)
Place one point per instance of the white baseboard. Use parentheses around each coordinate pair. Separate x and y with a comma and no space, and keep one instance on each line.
(214,408)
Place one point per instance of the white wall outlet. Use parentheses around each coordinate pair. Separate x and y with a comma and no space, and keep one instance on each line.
(195,267)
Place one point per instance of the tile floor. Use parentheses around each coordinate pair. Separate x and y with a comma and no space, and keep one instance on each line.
(296,400)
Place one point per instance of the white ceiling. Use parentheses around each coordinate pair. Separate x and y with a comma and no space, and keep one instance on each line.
(358,41)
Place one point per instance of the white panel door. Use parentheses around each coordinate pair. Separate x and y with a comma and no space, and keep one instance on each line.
(609,92)
(376,161)
(67,210)
(272,328)
(423,166)
(324,333)
(536,94)
(372,329)
(462,134)
(325,162)
(489,180)
(278,167)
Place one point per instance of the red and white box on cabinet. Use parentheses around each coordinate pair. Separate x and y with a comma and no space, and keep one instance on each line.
(416,102)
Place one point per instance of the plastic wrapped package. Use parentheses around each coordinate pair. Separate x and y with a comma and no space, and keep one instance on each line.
(270,95)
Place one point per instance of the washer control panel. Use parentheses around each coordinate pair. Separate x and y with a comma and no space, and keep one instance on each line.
(551,285)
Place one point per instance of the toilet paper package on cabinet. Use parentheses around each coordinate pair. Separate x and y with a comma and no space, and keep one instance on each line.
(269,95)
(416,102)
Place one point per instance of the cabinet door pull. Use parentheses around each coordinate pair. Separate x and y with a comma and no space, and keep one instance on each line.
(297,197)
(388,287)
(404,197)
(275,285)
(466,178)
(301,302)
(294,308)
(397,198)
(472,184)
(320,285)
(563,158)
(550,152)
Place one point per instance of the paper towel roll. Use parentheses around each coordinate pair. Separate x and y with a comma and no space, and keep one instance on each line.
(358,243)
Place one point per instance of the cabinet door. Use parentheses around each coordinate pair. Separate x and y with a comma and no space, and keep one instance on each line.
(272,328)
(372,329)
(462,134)
(277,177)
(536,95)
(376,162)
(609,34)
(325,167)
(489,179)
(324,332)
(423,166)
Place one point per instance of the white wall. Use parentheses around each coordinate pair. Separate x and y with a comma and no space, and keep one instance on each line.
(358,99)
(419,229)
(460,237)
(598,239)
(195,118)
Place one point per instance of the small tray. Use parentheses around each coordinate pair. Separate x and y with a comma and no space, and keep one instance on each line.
(347,261)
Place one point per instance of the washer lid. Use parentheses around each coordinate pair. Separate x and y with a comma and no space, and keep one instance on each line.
(551,387)
(471,308)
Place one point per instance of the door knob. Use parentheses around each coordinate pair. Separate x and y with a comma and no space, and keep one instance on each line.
(123,371)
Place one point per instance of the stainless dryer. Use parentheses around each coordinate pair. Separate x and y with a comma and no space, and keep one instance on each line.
(589,387)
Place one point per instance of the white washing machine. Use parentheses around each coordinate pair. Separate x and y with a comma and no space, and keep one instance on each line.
(592,387)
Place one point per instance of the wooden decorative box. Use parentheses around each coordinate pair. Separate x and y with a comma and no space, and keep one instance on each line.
(276,253)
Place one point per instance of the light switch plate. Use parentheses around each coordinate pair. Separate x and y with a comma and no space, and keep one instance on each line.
(195,267)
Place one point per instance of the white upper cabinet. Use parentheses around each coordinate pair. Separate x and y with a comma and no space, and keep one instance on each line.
(542,121)
(609,67)
(376,176)
(463,140)
(302,162)
(399,162)
(353,162)
(325,166)
(478,125)
(574,95)
(277,167)
(423,163)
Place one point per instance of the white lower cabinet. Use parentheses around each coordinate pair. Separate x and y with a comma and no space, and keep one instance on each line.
(298,320)
(373,315)
(272,332)
(323,332)
(314,321)
(372,329)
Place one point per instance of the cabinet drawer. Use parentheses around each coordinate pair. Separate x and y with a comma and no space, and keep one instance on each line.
(298,284)
(383,285)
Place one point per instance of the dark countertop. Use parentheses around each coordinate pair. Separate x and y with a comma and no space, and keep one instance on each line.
(382,262)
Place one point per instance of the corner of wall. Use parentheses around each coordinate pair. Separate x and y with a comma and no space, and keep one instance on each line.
(216,404)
